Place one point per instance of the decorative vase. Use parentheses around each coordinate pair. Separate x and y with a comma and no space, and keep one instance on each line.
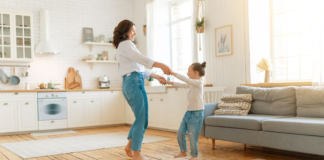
(200,29)
(144,30)
(266,76)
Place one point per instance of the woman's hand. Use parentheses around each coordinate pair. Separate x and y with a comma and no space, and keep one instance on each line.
(166,69)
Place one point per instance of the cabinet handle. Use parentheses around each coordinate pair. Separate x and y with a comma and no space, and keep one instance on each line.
(5,104)
(92,101)
(75,102)
(16,93)
(52,121)
(27,103)
(83,92)
(176,89)
(161,99)
(151,99)
(112,91)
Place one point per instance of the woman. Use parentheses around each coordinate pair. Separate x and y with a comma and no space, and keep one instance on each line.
(131,65)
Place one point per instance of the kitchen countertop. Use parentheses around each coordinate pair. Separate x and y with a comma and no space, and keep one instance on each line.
(74,90)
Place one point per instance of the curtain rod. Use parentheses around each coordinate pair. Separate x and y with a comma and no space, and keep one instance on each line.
(4,65)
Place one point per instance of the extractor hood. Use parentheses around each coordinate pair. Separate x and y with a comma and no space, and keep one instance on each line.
(45,45)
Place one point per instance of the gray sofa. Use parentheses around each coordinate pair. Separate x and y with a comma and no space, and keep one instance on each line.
(289,118)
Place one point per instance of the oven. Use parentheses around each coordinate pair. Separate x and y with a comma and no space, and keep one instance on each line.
(52,106)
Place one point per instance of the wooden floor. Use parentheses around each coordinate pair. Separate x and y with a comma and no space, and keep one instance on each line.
(158,150)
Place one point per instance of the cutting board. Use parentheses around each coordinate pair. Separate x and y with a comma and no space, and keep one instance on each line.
(77,79)
(70,77)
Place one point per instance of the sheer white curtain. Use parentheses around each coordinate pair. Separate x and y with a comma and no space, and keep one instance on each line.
(318,70)
(150,27)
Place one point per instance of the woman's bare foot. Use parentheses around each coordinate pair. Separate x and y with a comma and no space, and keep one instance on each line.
(181,154)
(128,149)
(193,158)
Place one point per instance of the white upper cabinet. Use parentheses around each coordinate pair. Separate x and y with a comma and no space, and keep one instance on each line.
(16,36)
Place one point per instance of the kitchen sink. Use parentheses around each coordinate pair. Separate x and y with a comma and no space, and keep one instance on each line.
(155,89)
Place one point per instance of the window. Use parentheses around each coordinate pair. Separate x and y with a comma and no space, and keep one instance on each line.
(286,32)
(181,35)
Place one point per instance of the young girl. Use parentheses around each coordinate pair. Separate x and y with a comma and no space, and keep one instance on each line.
(193,118)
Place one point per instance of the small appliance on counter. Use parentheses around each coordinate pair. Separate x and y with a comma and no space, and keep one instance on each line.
(104,83)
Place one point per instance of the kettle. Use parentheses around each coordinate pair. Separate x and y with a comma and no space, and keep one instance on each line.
(42,86)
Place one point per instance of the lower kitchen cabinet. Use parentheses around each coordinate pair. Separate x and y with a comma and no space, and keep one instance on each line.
(113,108)
(27,116)
(93,112)
(177,107)
(165,110)
(76,113)
(158,112)
(18,112)
(8,117)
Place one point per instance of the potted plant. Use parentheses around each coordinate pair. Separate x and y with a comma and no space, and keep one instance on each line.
(150,81)
(200,25)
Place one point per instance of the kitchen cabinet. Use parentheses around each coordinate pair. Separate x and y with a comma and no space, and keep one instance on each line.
(177,107)
(166,110)
(76,113)
(18,112)
(113,108)
(93,112)
(27,116)
(158,112)
(8,117)
(16,36)
(84,108)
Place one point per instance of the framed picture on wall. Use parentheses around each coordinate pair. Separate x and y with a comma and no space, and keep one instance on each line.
(87,35)
(223,41)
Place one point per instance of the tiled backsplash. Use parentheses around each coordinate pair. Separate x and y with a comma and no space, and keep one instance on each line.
(67,18)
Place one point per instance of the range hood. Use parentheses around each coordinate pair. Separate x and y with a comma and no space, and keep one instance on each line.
(45,46)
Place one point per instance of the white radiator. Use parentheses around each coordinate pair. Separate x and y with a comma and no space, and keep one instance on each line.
(213,94)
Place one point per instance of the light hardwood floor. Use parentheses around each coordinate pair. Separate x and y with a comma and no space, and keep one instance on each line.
(158,150)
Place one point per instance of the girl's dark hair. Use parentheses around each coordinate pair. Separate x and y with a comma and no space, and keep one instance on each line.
(200,68)
(120,32)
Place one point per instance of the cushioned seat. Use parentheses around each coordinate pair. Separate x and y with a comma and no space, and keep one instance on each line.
(251,121)
(295,125)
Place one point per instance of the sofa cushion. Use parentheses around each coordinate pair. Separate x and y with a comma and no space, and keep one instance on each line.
(295,125)
(239,104)
(271,101)
(310,101)
(251,121)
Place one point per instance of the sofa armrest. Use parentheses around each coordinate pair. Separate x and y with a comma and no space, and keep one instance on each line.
(209,111)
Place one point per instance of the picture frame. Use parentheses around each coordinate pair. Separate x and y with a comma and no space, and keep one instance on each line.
(87,35)
(223,41)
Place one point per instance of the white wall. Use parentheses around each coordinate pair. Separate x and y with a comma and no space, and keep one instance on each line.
(67,18)
(232,70)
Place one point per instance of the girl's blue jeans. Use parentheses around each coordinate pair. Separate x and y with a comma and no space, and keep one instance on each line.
(135,95)
(191,124)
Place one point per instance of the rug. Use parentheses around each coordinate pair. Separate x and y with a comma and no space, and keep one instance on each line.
(47,147)
(51,133)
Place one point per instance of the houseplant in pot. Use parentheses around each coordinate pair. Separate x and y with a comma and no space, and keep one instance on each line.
(200,25)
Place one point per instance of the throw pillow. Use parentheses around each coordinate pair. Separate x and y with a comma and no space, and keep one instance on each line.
(239,104)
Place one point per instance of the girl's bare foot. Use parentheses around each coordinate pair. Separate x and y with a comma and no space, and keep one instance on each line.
(181,154)
(193,158)
(128,149)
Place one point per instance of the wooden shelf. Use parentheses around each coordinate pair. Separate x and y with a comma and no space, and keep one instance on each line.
(279,84)
(95,61)
(92,44)
(92,62)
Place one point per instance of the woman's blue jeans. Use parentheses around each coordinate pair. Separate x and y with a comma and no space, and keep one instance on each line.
(135,95)
(191,124)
